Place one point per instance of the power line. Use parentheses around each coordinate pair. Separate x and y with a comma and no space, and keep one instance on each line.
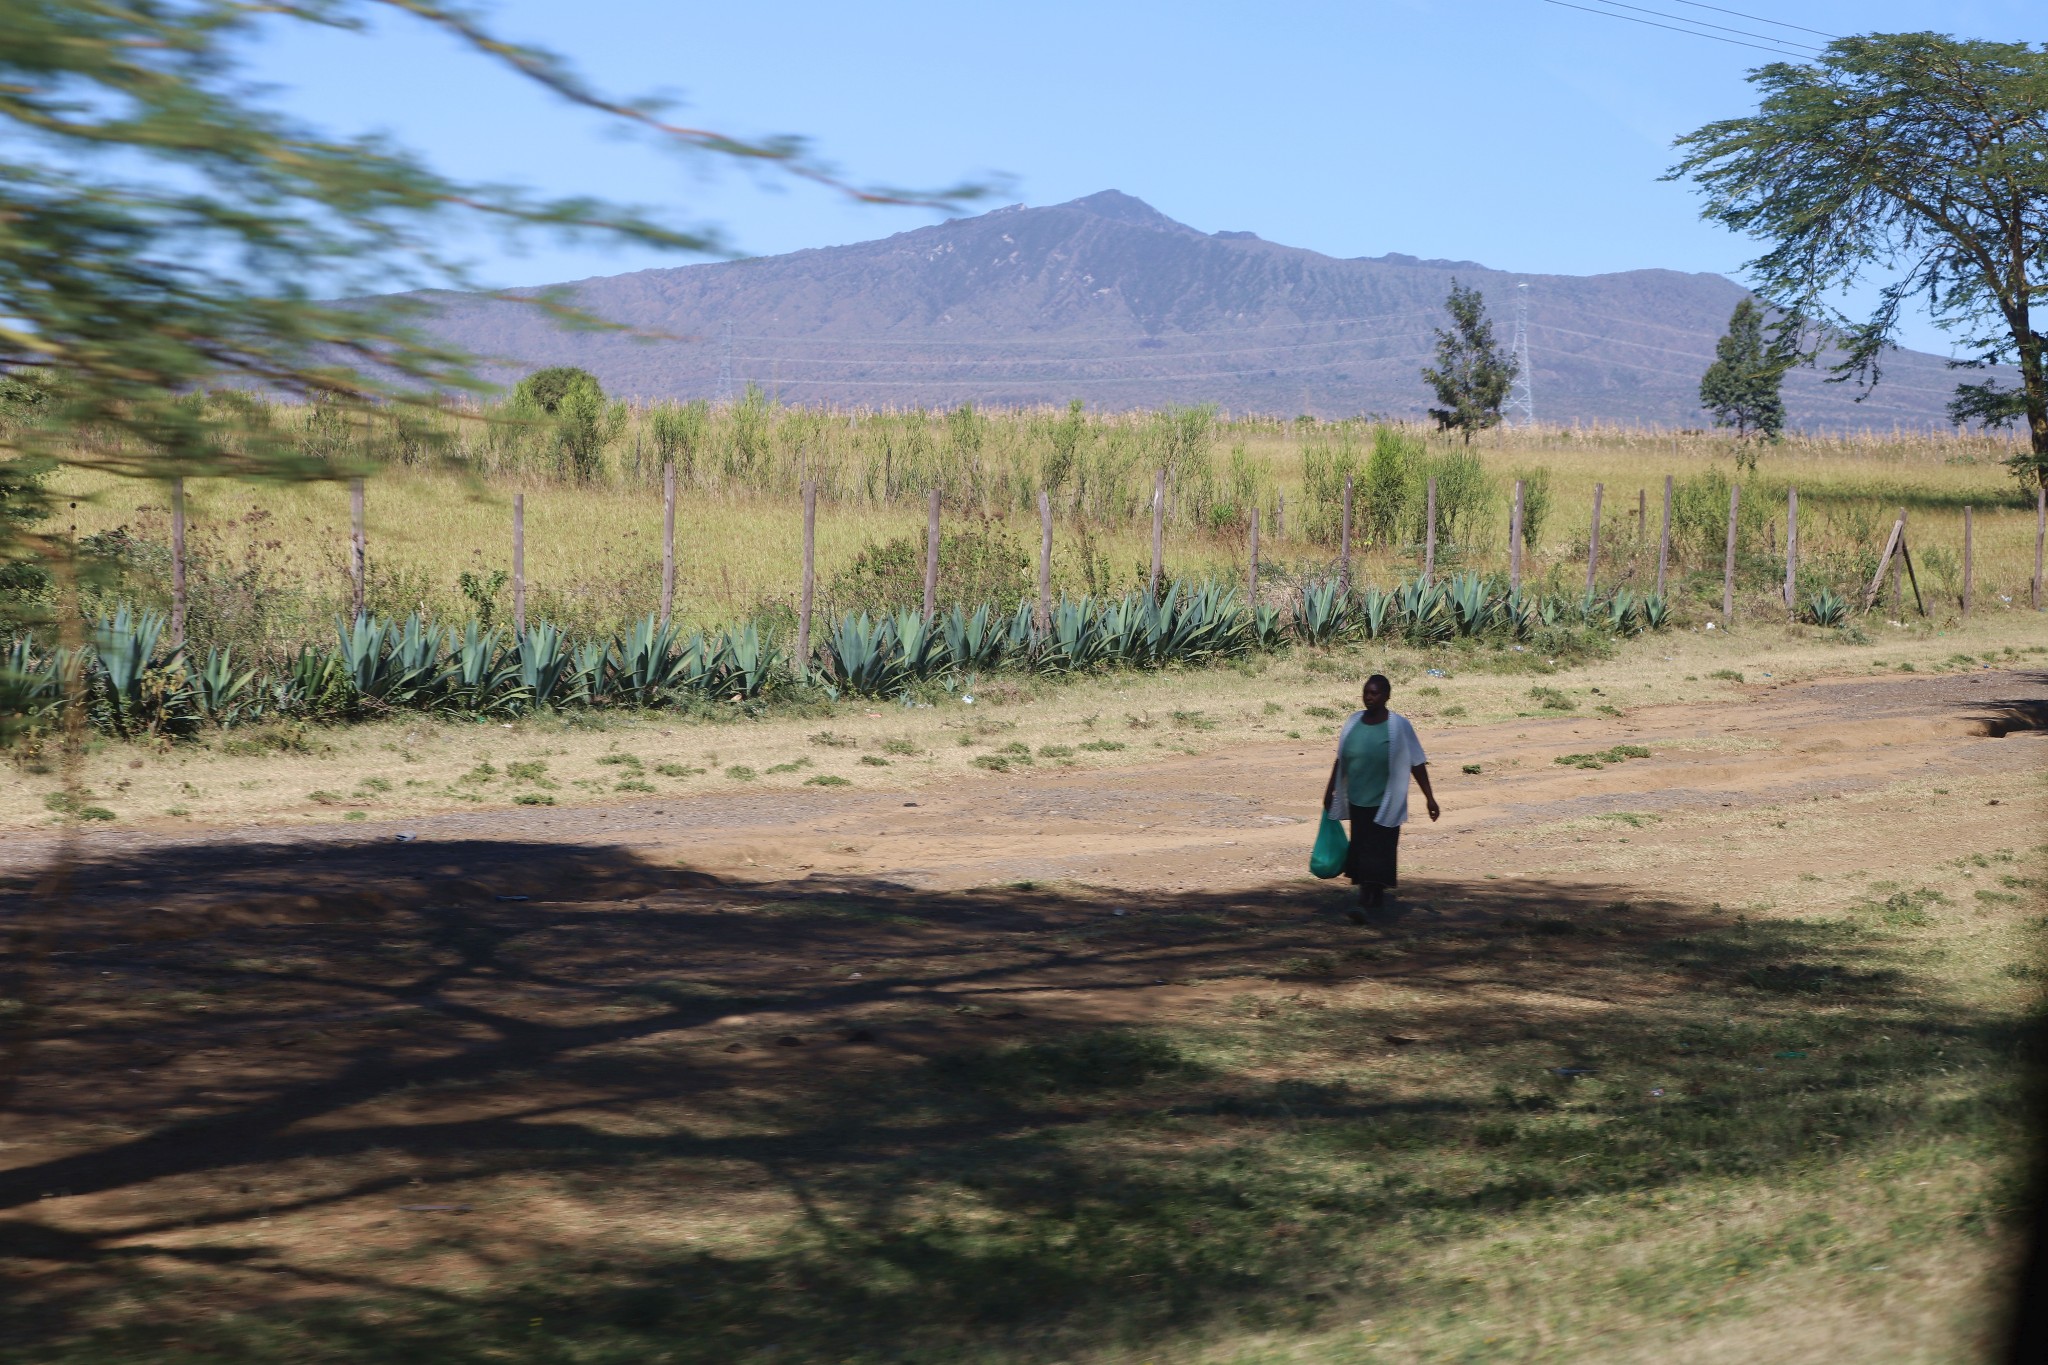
(1778,23)
(1696,33)
(1702,23)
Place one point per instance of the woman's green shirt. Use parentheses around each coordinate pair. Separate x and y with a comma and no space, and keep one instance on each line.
(1365,765)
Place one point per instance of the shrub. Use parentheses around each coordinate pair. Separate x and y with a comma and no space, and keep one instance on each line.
(983,563)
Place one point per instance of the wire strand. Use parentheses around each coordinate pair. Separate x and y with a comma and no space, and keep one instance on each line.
(1777,23)
(1693,32)
(1702,23)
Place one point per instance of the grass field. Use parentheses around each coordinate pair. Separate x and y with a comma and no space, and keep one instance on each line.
(1709,1054)
(593,546)
(1011,1031)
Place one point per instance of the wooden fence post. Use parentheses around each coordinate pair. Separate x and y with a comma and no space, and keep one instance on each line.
(519,565)
(177,564)
(1158,528)
(1792,550)
(668,541)
(1251,592)
(1280,519)
(1728,564)
(1429,532)
(1884,562)
(1642,515)
(1593,540)
(1515,541)
(358,555)
(1044,562)
(802,663)
(1664,536)
(931,554)
(2040,537)
(1344,542)
(1969,561)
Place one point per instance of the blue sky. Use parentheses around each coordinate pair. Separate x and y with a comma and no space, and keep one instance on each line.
(1517,133)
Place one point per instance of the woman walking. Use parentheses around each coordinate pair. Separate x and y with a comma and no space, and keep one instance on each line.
(1377,751)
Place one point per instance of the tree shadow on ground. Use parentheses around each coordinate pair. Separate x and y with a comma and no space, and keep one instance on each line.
(694,1120)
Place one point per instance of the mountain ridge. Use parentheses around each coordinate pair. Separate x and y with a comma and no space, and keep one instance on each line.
(1106,299)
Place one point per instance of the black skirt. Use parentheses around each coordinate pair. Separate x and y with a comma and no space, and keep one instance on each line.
(1375,850)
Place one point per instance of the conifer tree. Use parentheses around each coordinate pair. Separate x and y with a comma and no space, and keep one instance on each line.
(1741,387)
(1472,374)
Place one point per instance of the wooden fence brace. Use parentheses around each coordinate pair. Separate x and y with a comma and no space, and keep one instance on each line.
(1429,533)
(1969,563)
(931,556)
(1593,540)
(1884,562)
(357,548)
(1728,564)
(177,563)
(668,541)
(1251,591)
(1044,562)
(1515,541)
(519,566)
(801,665)
(1158,529)
(2040,537)
(1906,558)
(1664,536)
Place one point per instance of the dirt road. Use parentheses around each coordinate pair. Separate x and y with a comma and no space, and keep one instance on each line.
(1913,763)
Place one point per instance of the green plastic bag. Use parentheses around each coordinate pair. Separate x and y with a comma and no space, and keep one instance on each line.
(1332,848)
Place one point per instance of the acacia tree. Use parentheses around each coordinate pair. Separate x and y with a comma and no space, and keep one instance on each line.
(1914,161)
(1741,387)
(1472,374)
(162,233)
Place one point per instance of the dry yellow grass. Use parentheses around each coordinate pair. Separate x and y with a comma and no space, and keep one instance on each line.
(593,550)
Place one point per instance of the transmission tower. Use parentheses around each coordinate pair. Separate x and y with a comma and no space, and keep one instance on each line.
(724,394)
(1521,408)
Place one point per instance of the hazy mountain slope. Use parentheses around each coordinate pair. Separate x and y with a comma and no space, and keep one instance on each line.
(1108,300)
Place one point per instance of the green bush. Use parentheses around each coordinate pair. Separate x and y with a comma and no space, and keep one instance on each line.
(983,563)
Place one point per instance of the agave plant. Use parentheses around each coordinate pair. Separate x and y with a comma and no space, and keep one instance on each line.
(314,684)
(133,694)
(1204,622)
(1826,608)
(480,678)
(1023,641)
(970,642)
(33,686)
(650,668)
(920,645)
(1267,629)
(1621,613)
(414,663)
(1656,611)
(865,655)
(1377,612)
(220,693)
(592,672)
(743,662)
(1078,641)
(1470,603)
(1323,612)
(545,665)
(1425,609)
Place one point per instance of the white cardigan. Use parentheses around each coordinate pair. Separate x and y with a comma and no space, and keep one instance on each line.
(1404,753)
